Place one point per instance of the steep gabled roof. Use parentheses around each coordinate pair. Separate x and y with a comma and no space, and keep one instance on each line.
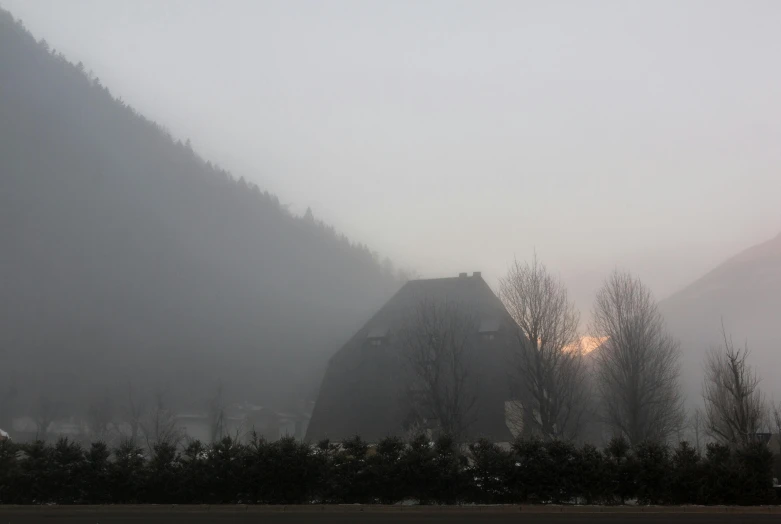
(360,393)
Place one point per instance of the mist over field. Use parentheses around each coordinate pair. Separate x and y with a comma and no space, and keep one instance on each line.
(202,203)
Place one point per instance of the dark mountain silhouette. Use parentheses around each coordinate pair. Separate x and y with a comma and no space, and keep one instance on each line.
(744,291)
(126,258)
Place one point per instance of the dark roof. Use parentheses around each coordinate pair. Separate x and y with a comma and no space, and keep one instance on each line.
(361,391)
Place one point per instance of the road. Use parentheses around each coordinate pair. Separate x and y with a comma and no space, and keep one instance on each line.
(199,515)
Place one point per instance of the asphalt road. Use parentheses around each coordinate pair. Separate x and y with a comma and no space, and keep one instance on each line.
(200,516)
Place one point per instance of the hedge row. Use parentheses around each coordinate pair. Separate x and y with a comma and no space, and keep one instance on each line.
(289,472)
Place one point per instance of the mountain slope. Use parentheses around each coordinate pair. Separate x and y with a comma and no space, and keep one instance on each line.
(127,259)
(744,292)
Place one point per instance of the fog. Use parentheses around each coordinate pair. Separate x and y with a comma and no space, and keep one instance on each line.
(601,134)
(446,136)
(132,267)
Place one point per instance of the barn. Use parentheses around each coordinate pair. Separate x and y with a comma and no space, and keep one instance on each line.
(364,381)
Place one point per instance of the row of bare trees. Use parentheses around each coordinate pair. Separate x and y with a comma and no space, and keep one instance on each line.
(630,383)
(137,420)
(629,386)
(142,420)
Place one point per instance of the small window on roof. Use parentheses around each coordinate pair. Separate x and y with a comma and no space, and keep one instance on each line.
(377,335)
(488,328)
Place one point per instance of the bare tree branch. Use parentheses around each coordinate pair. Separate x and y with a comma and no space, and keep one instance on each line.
(8,397)
(548,371)
(637,364)
(160,426)
(46,413)
(437,338)
(697,424)
(735,409)
(132,413)
(100,416)
(217,428)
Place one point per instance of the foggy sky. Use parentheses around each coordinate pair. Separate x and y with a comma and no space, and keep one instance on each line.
(453,136)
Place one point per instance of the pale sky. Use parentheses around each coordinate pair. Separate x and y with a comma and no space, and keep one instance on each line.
(453,136)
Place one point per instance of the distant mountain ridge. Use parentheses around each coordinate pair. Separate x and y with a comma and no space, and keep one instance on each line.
(761,261)
(744,292)
(127,259)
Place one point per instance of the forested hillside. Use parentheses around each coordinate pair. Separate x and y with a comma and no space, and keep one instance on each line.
(125,258)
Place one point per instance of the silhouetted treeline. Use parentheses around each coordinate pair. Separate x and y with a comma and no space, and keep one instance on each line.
(289,472)
(128,258)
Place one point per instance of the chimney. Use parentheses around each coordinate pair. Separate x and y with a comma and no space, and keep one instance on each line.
(462,275)
(477,274)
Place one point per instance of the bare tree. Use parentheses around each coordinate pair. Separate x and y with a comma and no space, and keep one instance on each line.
(513,417)
(160,425)
(697,424)
(637,364)
(548,369)
(132,413)
(9,393)
(46,412)
(217,428)
(100,416)
(437,338)
(735,409)
(777,423)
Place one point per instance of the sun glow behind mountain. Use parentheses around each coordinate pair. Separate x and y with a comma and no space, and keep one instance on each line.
(586,344)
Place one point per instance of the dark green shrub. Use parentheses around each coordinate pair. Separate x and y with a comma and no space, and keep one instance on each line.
(194,472)
(450,482)
(258,461)
(97,474)
(621,469)
(418,468)
(719,476)
(349,476)
(164,474)
(561,470)
(533,480)
(755,475)
(686,475)
(9,473)
(33,482)
(386,471)
(591,475)
(290,472)
(127,473)
(491,471)
(224,467)
(67,472)
(324,455)
(653,473)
